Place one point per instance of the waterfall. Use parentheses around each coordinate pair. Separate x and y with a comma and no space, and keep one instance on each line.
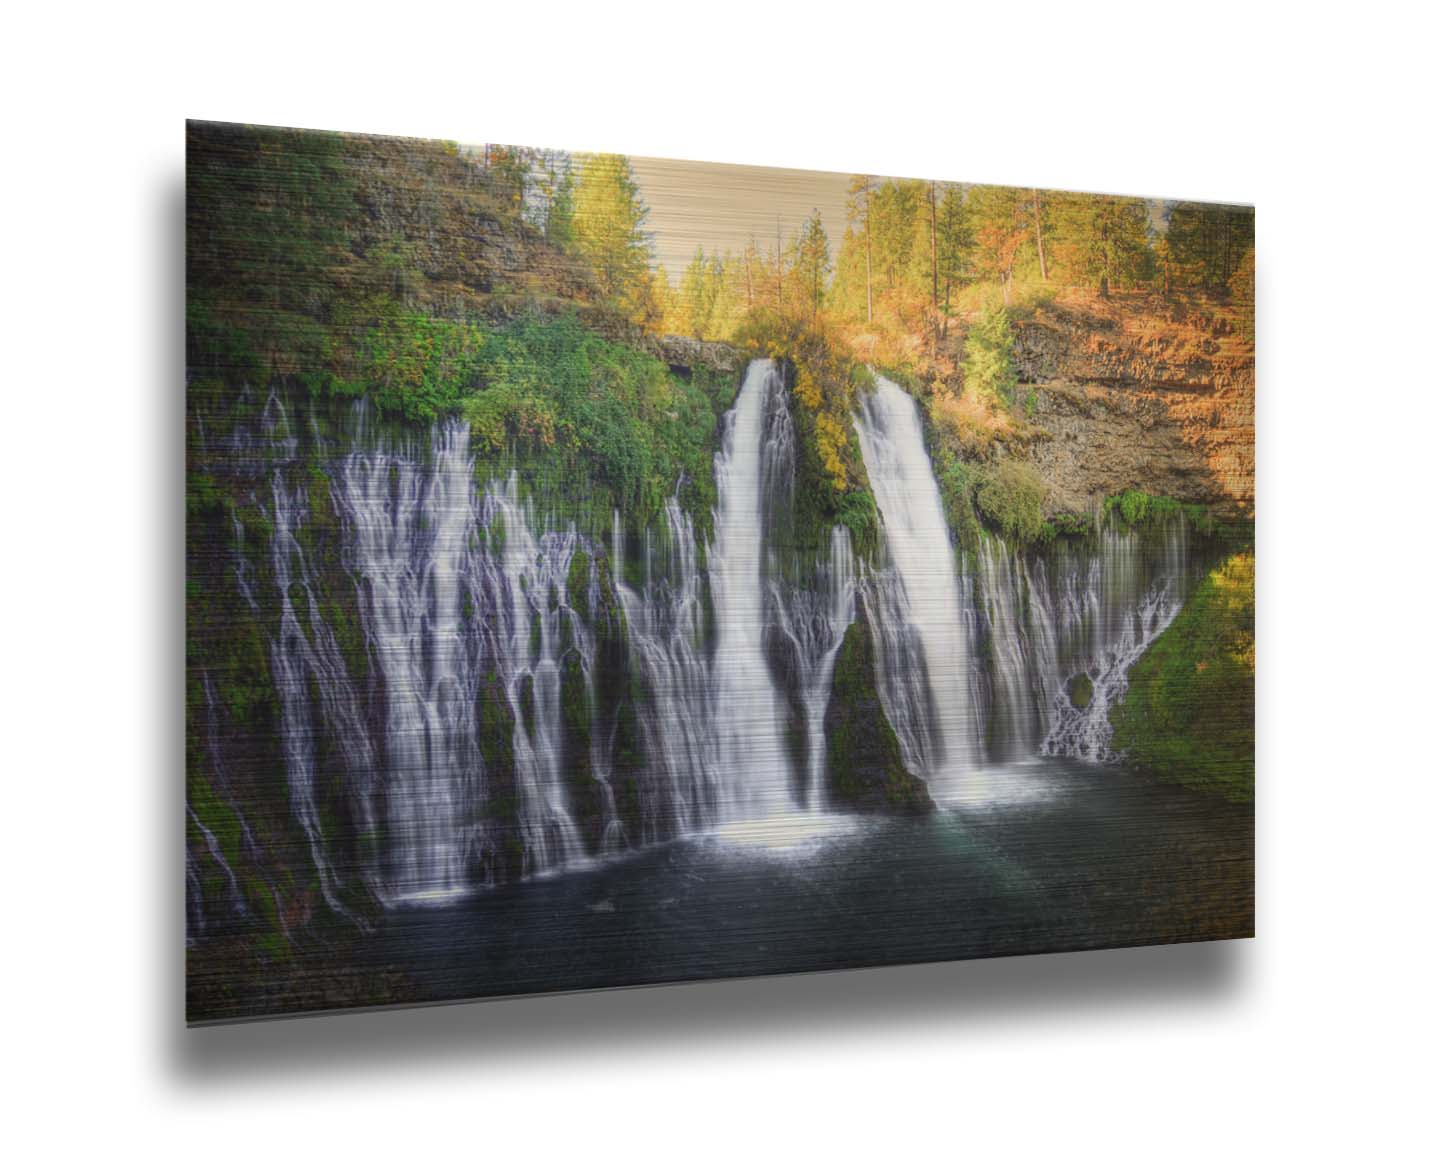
(407,529)
(457,706)
(926,602)
(813,619)
(749,731)
(665,626)
(1113,609)
(307,666)
(525,599)
(978,666)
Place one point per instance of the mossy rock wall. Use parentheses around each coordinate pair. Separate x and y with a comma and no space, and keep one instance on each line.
(1189,714)
(862,753)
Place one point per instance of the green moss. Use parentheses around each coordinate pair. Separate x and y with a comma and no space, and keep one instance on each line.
(595,425)
(577,584)
(214,813)
(1011,497)
(1189,714)
(862,752)
(245,684)
(957,479)
(1081,690)
(1067,526)
(1138,509)
(575,707)
(321,508)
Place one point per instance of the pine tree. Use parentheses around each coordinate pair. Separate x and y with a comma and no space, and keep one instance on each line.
(955,241)
(1039,221)
(609,233)
(895,216)
(857,211)
(1104,240)
(695,296)
(812,262)
(1001,230)
(558,186)
(1207,243)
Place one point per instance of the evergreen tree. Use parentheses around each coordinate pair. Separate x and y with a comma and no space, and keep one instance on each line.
(609,221)
(812,262)
(848,295)
(1001,231)
(1207,243)
(989,366)
(558,187)
(723,308)
(857,211)
(1104,240)
(955,243)
(1040,224)
(695,296)
(666,306)
(895,215)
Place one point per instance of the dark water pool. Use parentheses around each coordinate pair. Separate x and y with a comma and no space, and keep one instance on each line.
(1040,857)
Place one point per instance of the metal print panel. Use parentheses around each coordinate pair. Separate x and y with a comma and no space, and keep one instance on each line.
(609,571)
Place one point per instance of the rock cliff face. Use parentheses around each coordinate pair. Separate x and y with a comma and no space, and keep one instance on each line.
(1141,398)
(685,353)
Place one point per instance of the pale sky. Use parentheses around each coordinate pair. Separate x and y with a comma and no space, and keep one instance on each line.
(720,206)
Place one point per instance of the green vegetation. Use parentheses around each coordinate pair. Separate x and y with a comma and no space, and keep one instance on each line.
(862,752)
(1141,509)
(510,286)
(1011,498)
(989,366)
(831,485)
(1208,246)
(1189,714)
(957,480)
(608,228)
(612,421)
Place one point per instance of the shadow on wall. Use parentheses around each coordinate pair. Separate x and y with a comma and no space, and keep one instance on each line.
(540,1029)
(543,1029)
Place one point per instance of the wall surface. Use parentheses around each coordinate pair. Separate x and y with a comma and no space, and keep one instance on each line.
(1319,1032)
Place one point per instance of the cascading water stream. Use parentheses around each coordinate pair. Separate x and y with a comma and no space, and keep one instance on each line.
(813,620)
(407,532)
(1128,593)
(488,728)
(750,745)
(928,598)
(305,658)
(665,627)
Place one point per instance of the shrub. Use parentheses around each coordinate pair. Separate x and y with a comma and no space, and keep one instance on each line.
(989,365)
(1011,498)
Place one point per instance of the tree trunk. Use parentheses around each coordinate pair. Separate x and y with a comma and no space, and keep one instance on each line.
(934,276)
(779,270)
(934,254)
(869,302)
(1039,238)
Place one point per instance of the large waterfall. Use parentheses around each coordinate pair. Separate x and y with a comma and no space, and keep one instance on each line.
(749,735)
(930,604)
(471,689)
(1004,656)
